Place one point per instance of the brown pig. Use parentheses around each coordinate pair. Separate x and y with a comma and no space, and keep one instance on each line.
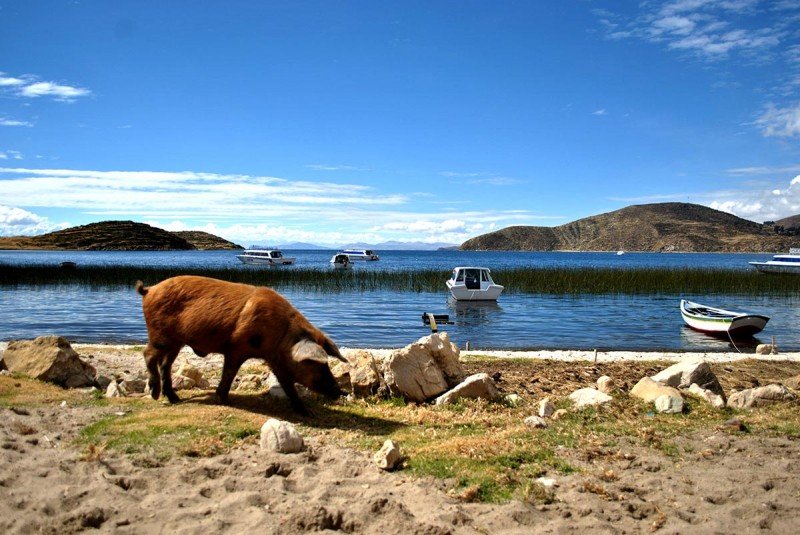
(239,321)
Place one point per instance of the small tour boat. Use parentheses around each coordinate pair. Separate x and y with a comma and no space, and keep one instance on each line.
(360,254)
(267,257)
(780,263)
(341,261)
(473,284)
(717,321)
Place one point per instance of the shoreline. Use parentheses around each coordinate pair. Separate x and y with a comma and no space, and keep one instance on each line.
(563,355)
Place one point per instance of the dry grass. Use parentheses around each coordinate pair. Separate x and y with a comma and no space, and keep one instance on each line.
(483,449)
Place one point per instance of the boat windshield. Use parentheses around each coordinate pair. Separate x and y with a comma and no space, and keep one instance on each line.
(276,254)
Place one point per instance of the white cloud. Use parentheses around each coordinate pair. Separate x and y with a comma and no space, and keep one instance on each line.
(497,181)
(711,29)
(767,204)
(601,111)
(7,81)
(454,174)
(18,222)
(780,122)
(30,86)
(764,170)
(13,122)
(60,92)
(10,155)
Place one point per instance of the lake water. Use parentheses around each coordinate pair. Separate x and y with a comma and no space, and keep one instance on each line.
(393,319)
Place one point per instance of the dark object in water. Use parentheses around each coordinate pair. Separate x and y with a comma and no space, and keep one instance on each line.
(434,319)
(68,265)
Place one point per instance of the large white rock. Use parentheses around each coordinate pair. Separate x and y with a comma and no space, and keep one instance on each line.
(479,385)
(388,457)
(763,395)
(365,377)
(684,374)
(412,373)
(49,358)
(280,436)
(715,400)
(446,355)
(589,396)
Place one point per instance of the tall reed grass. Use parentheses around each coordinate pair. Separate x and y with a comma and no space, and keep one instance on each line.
(694,281)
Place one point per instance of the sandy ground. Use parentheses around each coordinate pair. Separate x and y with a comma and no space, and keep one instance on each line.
(733,483)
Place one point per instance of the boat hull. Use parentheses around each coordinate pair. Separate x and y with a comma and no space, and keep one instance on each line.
(776,267)
(723,323)
(252,260)
(461,293)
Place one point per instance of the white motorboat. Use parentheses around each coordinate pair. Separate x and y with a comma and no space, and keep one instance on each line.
(341,261)
(266,257)
(360,254)
(721,322)
(473,284)
(780,263)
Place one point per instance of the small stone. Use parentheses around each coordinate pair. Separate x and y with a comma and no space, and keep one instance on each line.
(187,370)
(735,424)
(669,404)
(513,400)
(115,390)
(715,400)
(560,413)
(546,408)
(281,437)
(547,482)
(537,422)
(589,396)
(181,382)
(388,457)
(766,349)
(274,388)
(605,384)
(648,390)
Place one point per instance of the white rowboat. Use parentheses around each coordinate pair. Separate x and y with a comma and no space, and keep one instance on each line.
(718,321)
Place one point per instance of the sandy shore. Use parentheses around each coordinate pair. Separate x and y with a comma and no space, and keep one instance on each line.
(722,482)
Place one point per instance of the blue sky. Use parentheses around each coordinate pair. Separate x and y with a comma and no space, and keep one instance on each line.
(336,122)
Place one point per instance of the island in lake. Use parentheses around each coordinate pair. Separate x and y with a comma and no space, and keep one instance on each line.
(119,236)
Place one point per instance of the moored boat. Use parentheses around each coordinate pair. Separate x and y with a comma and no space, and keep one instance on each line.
(473,284)
(267,257)
(721,322)
(780,263)
(341,261)
(361,254)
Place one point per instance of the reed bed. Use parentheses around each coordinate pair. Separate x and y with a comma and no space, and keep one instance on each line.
(519,280)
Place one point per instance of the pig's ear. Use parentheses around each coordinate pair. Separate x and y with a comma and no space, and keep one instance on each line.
(307,349)
(331,349)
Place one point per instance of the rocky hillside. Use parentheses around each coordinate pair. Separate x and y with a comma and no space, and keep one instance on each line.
(109,236)
(206,241)
(646,227)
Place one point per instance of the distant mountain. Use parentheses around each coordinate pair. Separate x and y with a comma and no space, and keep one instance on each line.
(646,227)
(113,236)
(206,241)
(303,246)
(400,246)
(793,221)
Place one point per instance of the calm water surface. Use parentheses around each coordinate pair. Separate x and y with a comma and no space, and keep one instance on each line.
(393,319)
